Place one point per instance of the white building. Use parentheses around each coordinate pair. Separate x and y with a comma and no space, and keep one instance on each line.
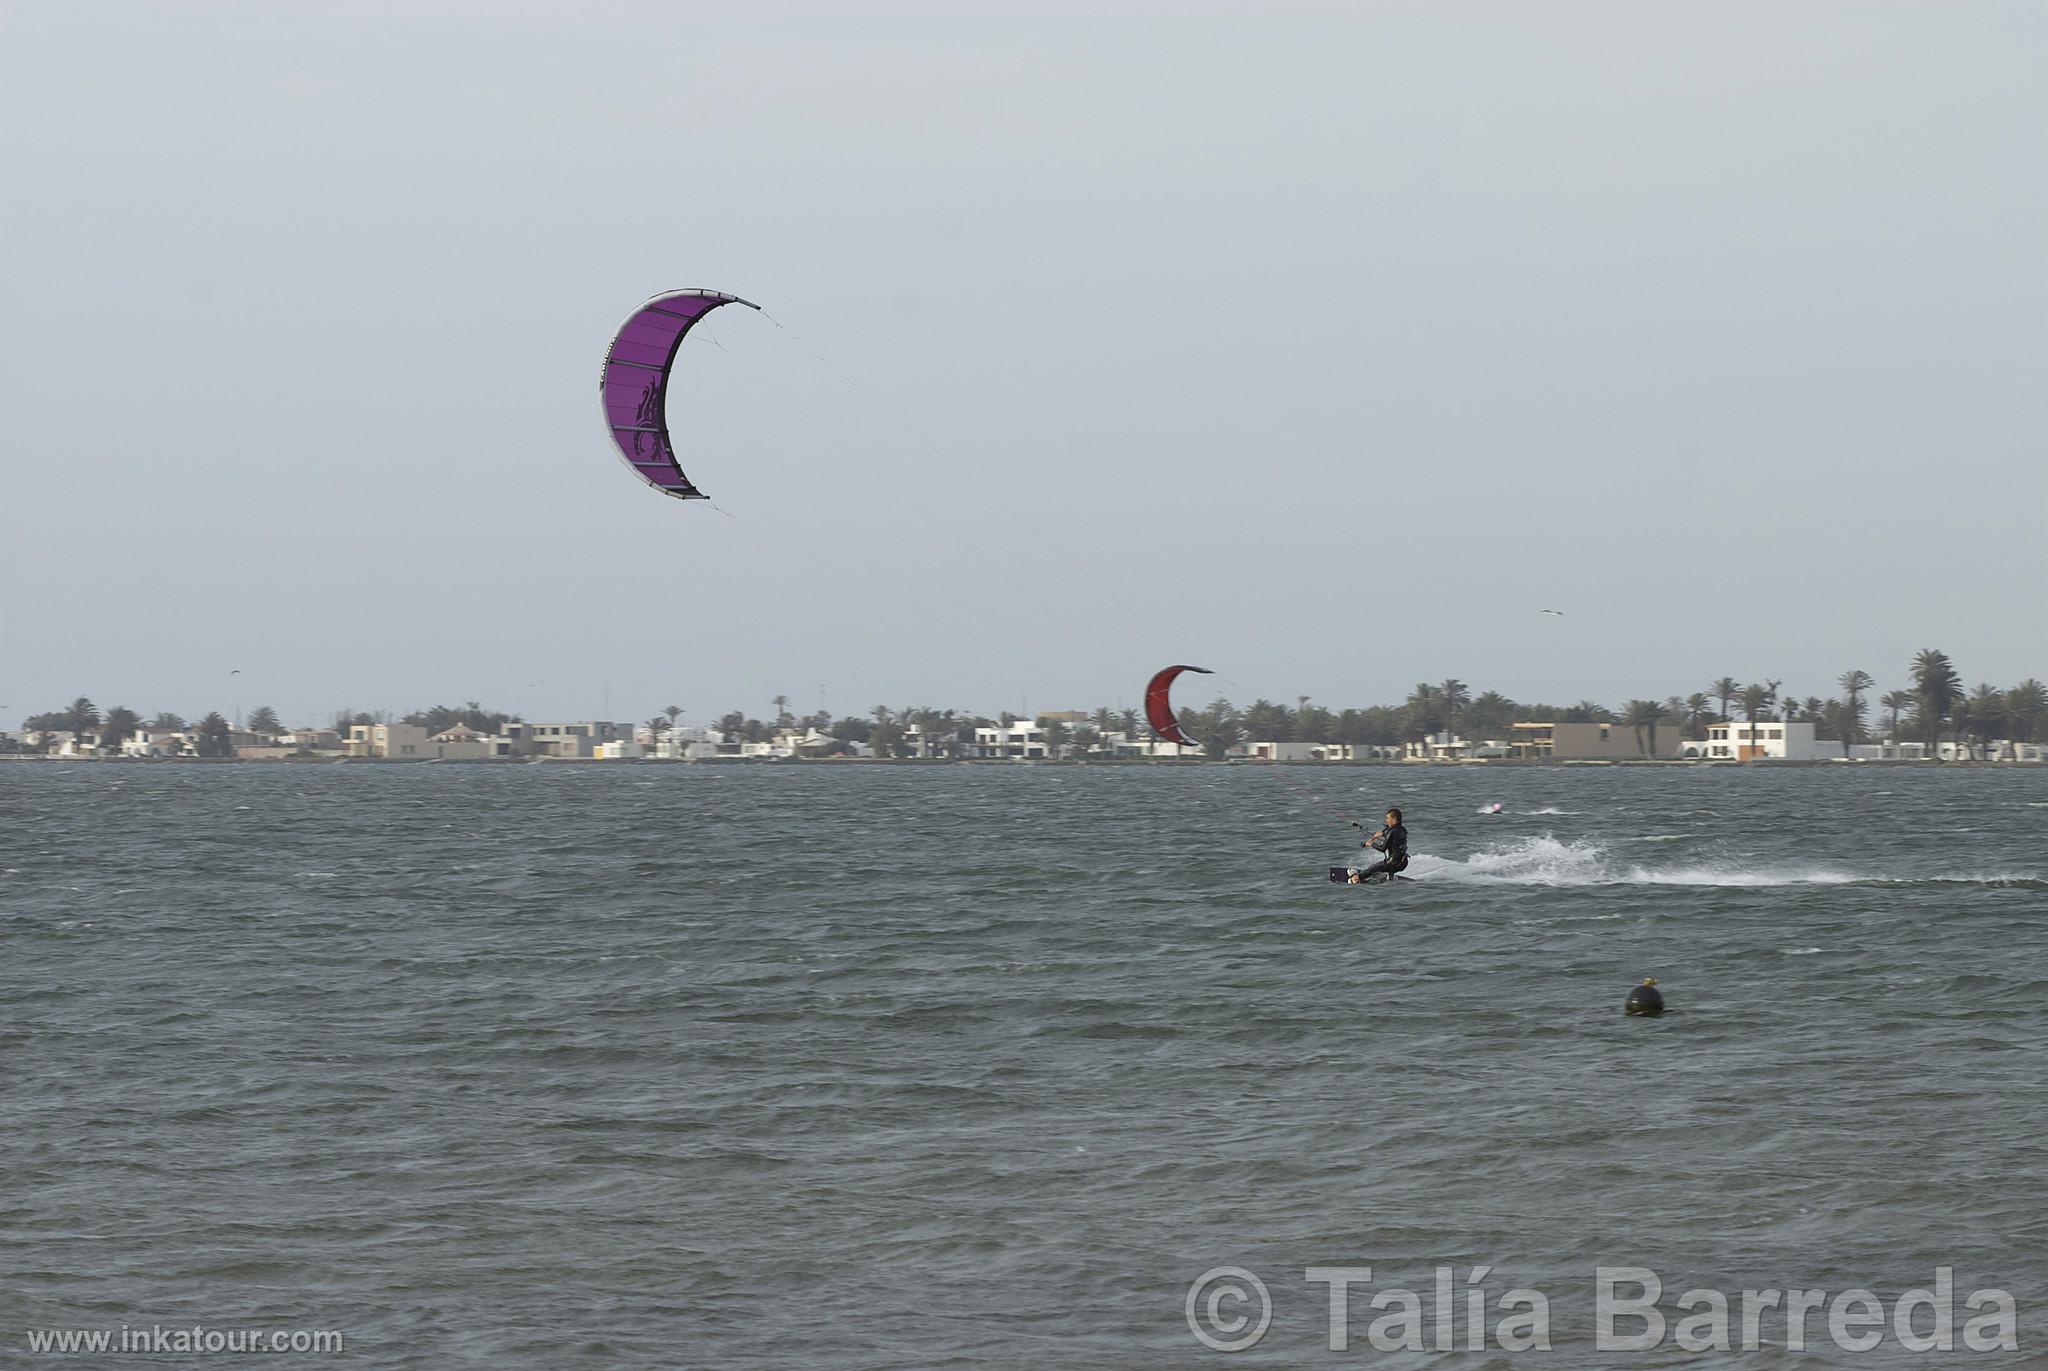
(158,742)
(1997,750)
(1299,752)
(1438,747)
(1023,740)
(678,743)
(1889,750)
(1765,740)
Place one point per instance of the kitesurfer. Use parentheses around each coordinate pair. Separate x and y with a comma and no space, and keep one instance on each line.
(1392,840)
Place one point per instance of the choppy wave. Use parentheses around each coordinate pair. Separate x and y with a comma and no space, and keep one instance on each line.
(1551,861)
(293,1030)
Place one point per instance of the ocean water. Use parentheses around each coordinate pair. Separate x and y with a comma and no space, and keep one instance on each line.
(981,1067)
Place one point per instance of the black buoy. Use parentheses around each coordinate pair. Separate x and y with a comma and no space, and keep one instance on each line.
(1644,999)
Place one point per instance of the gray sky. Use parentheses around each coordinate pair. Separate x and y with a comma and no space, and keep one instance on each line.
(1320,344)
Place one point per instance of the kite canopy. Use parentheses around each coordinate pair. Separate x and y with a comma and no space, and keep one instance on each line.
(1159,707)
(633,387)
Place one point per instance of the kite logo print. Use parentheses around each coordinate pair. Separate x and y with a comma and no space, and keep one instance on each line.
(649,416)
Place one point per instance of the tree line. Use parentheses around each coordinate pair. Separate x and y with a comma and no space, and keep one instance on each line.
(1933,707)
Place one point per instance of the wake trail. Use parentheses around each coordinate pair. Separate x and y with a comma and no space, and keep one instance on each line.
(1550,861)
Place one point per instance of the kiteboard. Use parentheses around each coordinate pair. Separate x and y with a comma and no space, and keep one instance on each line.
(1342,875)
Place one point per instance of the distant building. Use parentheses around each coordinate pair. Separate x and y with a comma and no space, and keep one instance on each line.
(312,739)
(1561,742)
(580,739)
(677,743)
(1439,747)
(460,743)
(1023,740)
(149,741)
(1997,750)
(63,742)
(391,742)
(1889,750)
(1300,752)
(1765,740)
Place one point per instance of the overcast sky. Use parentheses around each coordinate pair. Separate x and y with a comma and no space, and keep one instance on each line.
(1323,345)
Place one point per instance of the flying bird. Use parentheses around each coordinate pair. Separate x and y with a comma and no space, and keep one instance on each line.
(1558,612)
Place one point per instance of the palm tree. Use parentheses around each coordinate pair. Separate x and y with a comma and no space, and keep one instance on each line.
(1853,683)
(1987,708)
(2022,709)
(1963,720)
(1424,711)
(82,718)
(1695,710)
(1754,699)
(214,738)
(1489,713)
(674,712)
(1724,690)
(1638,715)
(1936,689)
(1892,702)
(119,727)
(1268,722)
(1455,695)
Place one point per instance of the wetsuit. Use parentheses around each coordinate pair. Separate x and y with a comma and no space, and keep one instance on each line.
(1392,841)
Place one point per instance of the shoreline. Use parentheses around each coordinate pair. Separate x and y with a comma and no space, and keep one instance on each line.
(1125,763)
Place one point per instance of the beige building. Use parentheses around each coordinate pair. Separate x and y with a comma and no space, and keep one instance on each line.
(460,744)
(393,742)
(1592,742)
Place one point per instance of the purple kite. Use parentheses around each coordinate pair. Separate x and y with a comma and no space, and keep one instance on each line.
(633,387)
